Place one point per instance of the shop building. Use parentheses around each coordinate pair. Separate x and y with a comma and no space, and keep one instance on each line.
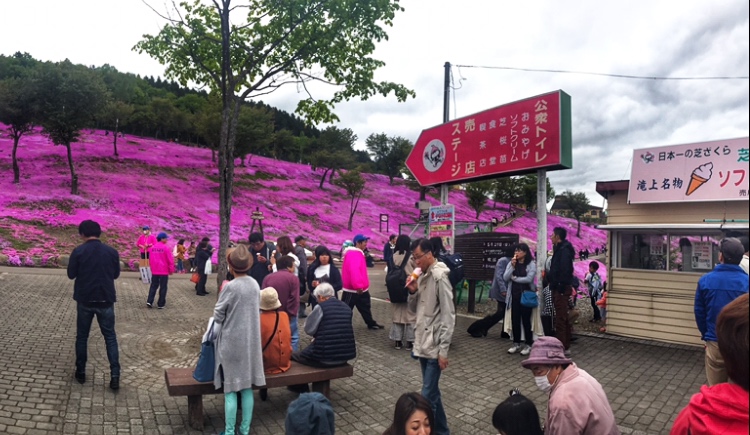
(665,225)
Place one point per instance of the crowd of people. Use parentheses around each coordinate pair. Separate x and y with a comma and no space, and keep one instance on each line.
(270,285)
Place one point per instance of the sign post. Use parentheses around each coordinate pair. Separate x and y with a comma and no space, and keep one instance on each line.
(529,136)
(442,224)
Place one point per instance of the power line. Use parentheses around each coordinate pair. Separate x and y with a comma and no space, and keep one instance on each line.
(622,76)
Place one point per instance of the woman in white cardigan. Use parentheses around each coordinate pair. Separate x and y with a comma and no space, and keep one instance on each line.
(524,321)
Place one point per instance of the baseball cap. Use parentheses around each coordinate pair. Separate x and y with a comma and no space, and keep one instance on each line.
(161,236)
(360,238)
(299,238)
(146,228)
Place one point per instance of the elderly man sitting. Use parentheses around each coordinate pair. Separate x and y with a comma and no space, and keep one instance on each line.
(577,402)
(330,324)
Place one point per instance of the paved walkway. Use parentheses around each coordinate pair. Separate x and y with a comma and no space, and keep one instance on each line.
(647,384)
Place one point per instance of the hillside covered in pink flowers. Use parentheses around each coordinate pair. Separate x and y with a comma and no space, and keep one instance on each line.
(174,188)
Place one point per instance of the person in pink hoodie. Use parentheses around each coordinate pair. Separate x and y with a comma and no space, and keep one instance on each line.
(356,282)
(724,408)
(162,265)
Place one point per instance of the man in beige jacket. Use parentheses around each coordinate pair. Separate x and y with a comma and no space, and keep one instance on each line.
(431,298)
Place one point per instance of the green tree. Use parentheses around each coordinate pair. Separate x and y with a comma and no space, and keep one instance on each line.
(17,108)
(390,153)
(69,98)
(507,190)
(254,132)
(354,184)
(276,43)
(528,190)
(334,152)
(578,204)
(116,116)
(477,194)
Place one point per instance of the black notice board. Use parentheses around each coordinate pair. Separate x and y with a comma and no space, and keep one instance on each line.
(481,251)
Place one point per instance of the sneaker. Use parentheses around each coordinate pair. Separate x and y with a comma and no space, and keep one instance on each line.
(567,353)
(602,329)
(375,326)
(114,384)
(399,345)
(526,350)
(148,304)
(409,345)
(161,308)
(515,348)
(81,377)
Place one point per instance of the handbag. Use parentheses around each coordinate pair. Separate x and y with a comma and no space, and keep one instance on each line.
(529,299)
(207,269)
(204,370)
(195,278)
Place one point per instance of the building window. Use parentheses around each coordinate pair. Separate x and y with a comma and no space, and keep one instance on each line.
(662,250)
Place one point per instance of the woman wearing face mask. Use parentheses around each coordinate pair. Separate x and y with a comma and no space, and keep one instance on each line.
(412,416)
(577,402)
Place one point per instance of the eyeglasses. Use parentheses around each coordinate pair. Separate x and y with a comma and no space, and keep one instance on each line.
(540,371)
(417,258)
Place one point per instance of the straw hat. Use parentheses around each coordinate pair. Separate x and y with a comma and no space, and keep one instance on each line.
(269,299)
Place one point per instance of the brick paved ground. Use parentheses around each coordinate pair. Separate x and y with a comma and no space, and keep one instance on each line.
(647,384)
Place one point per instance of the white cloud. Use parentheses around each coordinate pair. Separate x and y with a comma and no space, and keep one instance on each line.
(611,116)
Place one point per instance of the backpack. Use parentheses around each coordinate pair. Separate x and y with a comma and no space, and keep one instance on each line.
(455,263)
(395,281)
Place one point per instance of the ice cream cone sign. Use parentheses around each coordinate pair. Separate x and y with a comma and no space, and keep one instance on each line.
(699,177)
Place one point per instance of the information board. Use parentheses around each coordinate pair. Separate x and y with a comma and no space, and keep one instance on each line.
(482,250)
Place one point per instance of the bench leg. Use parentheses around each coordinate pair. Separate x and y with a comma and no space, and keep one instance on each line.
(323,387)
(195,412)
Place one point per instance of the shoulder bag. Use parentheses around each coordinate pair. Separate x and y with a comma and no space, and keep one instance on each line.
(529,299)
(204,370)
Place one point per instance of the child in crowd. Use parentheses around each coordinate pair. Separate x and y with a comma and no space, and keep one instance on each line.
(516,415)
(602,304)
(594,283)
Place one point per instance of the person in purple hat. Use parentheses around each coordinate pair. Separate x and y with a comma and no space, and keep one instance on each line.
(356,282)
(577,401)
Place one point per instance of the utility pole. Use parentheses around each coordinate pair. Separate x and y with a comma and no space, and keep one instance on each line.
(446,118)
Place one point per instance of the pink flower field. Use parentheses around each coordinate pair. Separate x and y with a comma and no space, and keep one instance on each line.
(174,188)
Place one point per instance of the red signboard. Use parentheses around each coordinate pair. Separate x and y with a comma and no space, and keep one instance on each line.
(511,139)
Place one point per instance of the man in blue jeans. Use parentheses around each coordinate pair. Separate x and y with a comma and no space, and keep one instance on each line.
(95,267)
(431,297)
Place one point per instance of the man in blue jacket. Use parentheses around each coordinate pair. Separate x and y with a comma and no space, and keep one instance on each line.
(715,290)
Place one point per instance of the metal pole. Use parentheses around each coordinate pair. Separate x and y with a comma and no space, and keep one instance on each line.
(541,222)
(446,118)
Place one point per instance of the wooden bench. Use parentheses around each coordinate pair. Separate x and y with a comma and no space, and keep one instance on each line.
(180,382)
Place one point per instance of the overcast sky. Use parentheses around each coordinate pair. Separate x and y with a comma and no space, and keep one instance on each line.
(611,116)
